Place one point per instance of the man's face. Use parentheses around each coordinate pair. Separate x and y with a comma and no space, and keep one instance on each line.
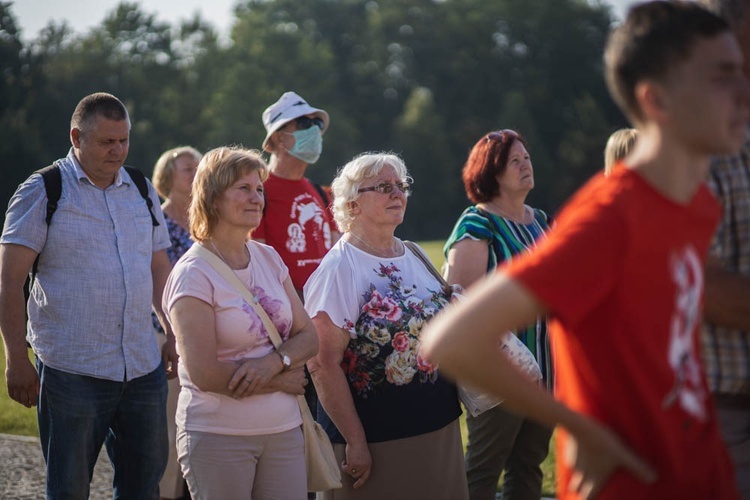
(102,147)
(706,97)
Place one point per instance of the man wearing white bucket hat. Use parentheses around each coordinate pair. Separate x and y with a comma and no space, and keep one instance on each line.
(297,221)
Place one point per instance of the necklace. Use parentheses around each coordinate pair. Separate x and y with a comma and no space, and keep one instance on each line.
(247,252)
(378,252)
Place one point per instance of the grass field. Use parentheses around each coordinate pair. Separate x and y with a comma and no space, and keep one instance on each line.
(16,419)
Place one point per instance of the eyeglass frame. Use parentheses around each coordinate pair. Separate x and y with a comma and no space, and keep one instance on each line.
(380,188)
(500,135)
(305,122)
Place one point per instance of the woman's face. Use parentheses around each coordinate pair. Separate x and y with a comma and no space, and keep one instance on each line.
(241,205)
(518,176)
(373,208)
(183,174)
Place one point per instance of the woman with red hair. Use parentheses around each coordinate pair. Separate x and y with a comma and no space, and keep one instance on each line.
(498,177)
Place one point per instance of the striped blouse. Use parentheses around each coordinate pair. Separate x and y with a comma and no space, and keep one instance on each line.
(507,239)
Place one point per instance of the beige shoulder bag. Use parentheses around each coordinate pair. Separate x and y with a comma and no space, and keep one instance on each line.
(323,472)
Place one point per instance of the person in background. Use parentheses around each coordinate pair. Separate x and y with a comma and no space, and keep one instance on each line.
(238,420)
(100,377)
(726,331)
(173,179)
(624,294)
(297,221)
(498,177)
(392,418)
(619,144)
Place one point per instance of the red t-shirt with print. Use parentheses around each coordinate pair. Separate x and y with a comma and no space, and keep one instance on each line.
(622,277)
(297,223)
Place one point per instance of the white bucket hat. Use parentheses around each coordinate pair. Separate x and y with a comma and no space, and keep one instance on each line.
(287,108)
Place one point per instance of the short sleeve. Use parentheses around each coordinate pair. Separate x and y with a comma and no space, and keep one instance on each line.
(25,219)
(187,279)
(472,224)
(160,233)
(576,266)
(330,289)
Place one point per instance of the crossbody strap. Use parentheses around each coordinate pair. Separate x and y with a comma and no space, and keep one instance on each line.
(416,251)
(223,269)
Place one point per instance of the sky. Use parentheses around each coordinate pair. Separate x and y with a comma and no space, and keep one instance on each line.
(81,15)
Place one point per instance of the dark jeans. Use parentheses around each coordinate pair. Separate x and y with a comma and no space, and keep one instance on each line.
(503,441)
(77,414)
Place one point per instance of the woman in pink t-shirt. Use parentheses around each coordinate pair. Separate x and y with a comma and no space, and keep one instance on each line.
(238,420)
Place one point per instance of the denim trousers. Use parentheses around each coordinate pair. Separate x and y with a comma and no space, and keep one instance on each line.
(77,414)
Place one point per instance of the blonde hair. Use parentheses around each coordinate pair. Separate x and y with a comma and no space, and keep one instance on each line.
(165,165)
(618,146)
(350,177)
(217,171)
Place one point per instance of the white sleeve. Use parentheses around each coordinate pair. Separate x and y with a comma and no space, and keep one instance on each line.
(331,289)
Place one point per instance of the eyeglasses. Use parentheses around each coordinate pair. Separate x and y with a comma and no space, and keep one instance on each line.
(500,135)
(305,122)
(387,187)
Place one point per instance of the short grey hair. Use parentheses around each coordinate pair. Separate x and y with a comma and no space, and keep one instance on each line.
(732,11)
(99,103)
(350,177)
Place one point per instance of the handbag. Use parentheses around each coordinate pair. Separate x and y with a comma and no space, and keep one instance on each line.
(323,472)
(477,402)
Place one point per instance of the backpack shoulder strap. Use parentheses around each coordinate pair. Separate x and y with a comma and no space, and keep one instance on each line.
(53,186)
(52,178)
(430,267)
(142,185)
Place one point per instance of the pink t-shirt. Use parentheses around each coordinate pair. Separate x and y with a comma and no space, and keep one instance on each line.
(240,334)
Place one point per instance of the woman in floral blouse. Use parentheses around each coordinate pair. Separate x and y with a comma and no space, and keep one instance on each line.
(392,418)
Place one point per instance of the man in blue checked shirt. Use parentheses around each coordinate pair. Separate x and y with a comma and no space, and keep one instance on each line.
(99,377)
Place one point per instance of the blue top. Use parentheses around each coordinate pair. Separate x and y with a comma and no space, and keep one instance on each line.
(89,310)
(181,243)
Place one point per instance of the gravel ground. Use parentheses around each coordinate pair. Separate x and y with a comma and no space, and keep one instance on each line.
(22,471)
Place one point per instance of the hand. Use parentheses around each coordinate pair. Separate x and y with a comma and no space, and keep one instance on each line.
(292,381)
(22,381)
(594,455)
(357,463)
(170,357)
(253,374)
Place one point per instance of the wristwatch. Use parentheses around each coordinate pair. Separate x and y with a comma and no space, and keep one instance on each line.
(286,361)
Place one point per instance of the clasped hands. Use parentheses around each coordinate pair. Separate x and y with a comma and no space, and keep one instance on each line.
(265,375)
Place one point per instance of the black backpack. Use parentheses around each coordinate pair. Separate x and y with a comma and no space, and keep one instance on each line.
(53,186)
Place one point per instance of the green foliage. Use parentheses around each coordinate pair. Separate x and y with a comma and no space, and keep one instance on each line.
(423,78)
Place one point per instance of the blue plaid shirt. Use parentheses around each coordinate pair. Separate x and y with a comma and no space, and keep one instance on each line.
(90,306)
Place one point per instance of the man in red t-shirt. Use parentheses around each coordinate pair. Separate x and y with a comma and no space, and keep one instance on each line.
(622,278)
(297,221)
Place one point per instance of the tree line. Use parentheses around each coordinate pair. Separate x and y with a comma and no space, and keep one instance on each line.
(423,78)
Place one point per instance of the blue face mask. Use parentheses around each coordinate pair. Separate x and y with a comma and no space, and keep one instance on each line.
(308,144)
